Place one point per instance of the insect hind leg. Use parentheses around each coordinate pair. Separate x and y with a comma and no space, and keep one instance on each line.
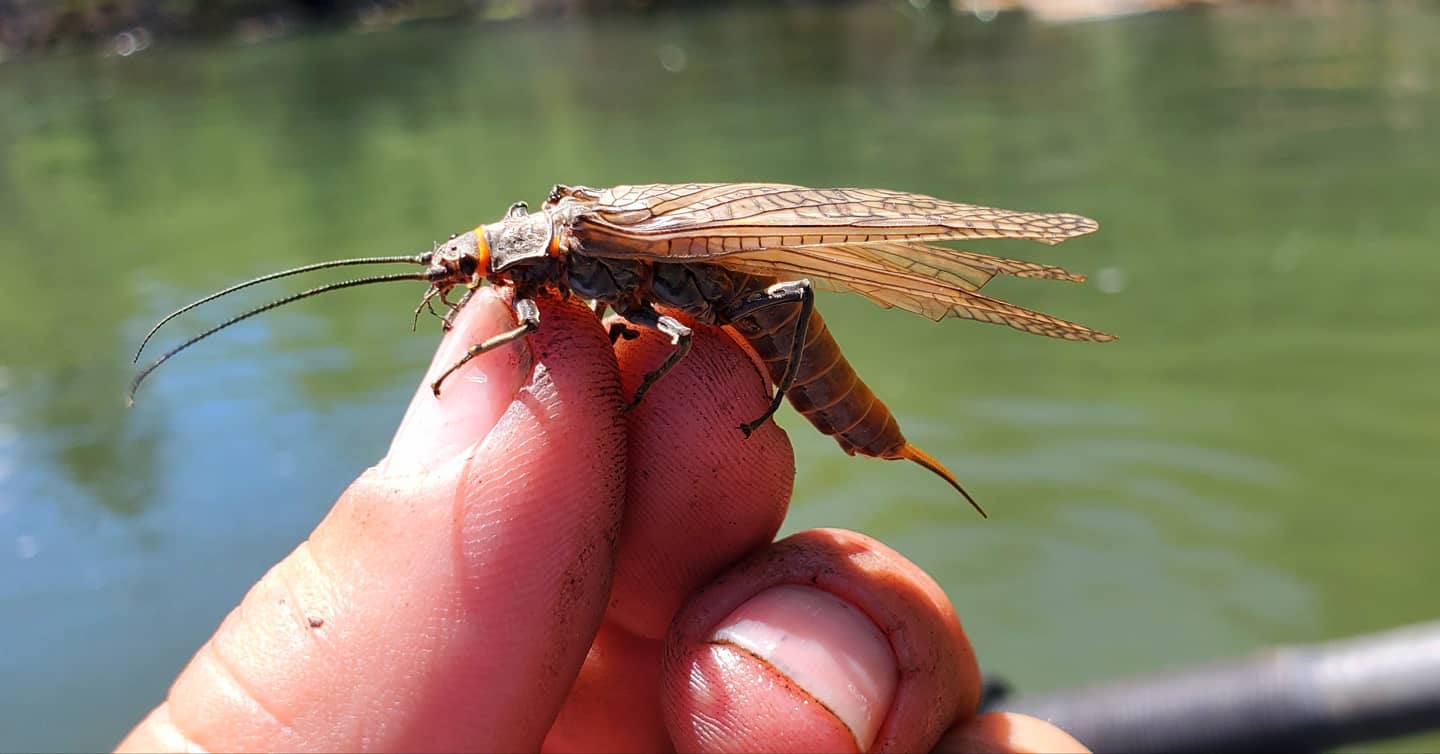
(680,337)
(789,292)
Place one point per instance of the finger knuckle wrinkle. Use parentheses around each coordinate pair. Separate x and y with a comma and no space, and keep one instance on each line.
(243,694)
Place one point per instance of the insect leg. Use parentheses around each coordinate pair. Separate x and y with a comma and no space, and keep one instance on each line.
(614,326)
(680,337)
(789,292)
(529,315)
(424,304)
(617,330)
(448,321)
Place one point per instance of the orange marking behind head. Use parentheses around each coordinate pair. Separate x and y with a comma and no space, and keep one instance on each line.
(482,251)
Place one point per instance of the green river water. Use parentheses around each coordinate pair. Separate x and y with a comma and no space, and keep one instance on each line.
(1254,462)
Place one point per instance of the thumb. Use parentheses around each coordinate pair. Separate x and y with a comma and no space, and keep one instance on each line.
(449,598)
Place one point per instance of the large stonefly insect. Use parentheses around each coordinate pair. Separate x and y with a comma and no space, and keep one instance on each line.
(743,255)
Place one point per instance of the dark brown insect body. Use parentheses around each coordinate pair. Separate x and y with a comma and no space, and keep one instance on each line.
(747,256)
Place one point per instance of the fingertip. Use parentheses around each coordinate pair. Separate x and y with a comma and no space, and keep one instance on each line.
(155,733)
(842,671)
(734,701)
(822,644)
(1008,733)
(442,421)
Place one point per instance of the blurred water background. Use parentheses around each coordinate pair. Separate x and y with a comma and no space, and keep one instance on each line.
(1254,462)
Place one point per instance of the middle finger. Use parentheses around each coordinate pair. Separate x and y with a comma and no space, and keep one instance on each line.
(700,497)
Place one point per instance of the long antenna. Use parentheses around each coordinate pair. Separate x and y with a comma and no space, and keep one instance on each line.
(139,378)
(413,259)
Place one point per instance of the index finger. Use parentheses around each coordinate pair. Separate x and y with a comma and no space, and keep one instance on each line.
(699,496)
(447,600)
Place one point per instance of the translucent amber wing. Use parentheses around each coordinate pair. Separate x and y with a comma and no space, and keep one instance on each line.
(963,269)
(704,220)
(930,281)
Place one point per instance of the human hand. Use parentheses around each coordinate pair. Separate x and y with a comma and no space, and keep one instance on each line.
(530,567)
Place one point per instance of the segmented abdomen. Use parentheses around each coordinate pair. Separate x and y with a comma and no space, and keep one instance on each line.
(827,391)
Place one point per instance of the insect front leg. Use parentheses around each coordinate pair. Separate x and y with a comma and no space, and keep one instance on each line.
(424,304)
(789,292)
(680,337)
(448,321)
(529,316)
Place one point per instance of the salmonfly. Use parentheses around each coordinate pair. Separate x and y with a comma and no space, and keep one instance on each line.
(742,255)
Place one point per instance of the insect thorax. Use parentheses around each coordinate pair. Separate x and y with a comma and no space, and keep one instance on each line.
(518,240)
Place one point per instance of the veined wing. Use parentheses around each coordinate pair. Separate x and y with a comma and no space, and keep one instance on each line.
(963,269)
(703,220)
(931,281)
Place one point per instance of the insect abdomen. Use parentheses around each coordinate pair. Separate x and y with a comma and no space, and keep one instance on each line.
(827,391)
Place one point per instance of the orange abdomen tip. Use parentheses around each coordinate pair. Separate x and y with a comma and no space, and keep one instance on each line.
(912,453)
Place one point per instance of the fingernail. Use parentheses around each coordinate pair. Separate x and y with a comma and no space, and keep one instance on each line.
(824,645)
(437,429)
